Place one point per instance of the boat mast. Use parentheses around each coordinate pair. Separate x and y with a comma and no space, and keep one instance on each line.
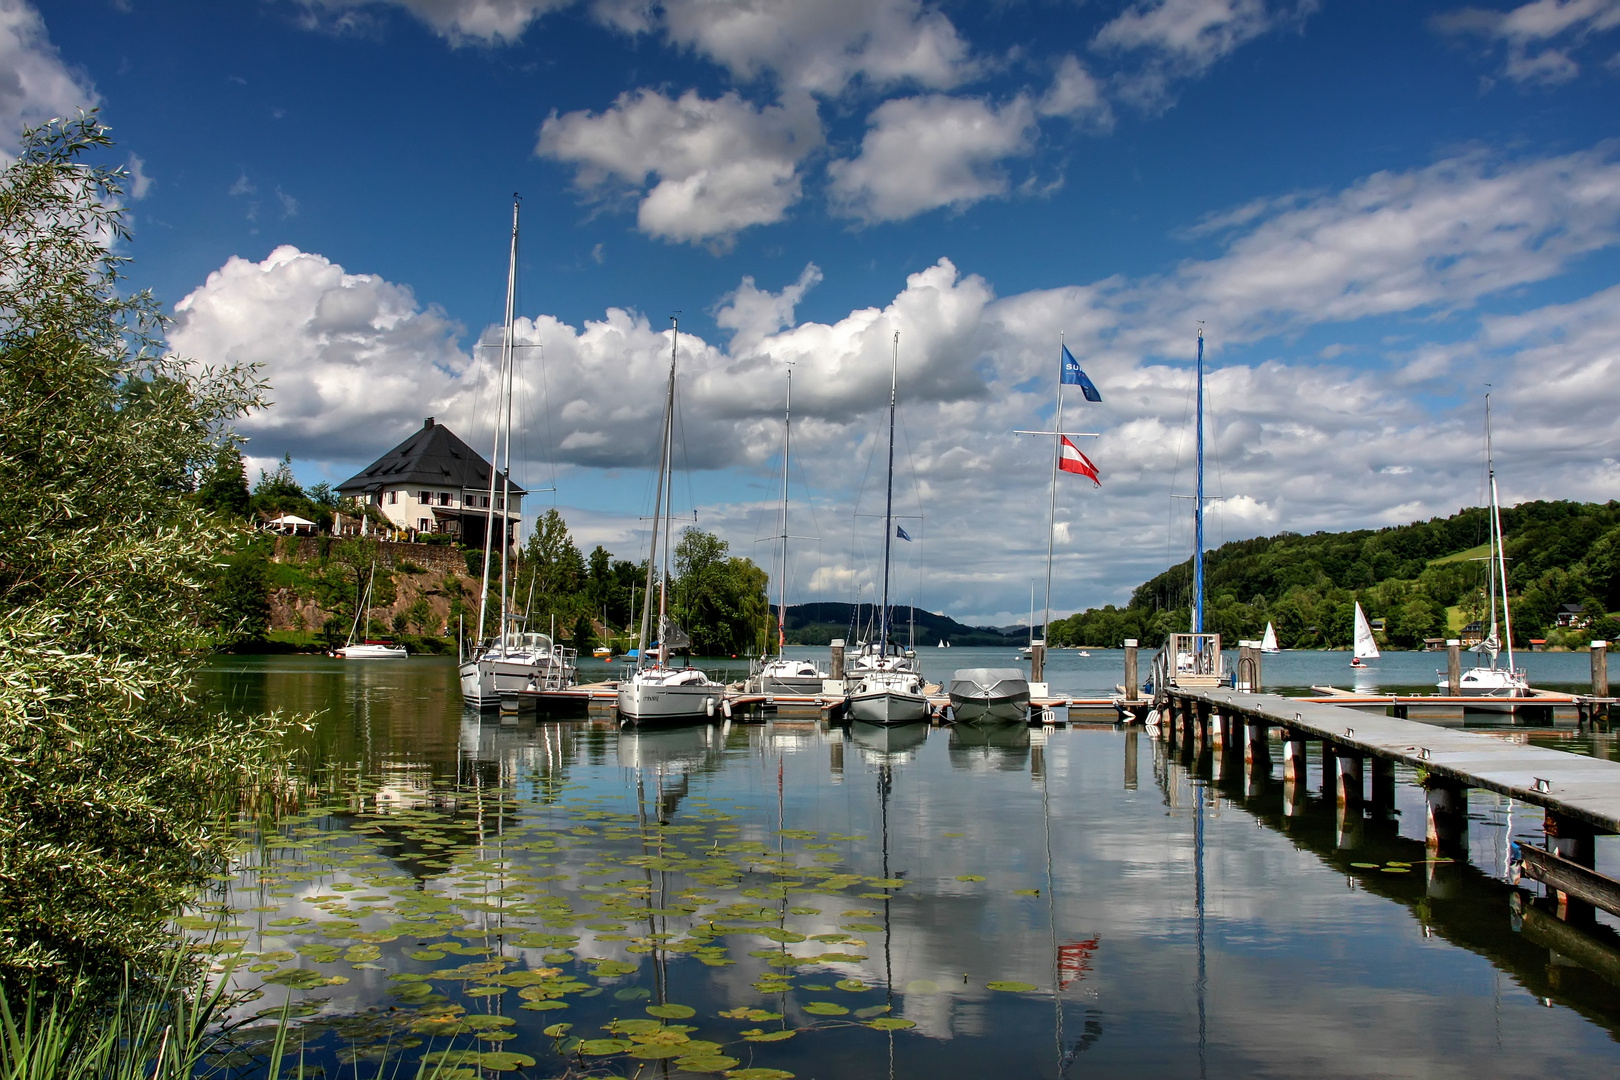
(787,441)
(669,495)
(502,381)
(658,506)
(1198,503)
(888,506)
(1496,537)
(1051,521)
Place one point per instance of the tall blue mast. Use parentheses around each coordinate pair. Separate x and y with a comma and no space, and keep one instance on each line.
(1198,504)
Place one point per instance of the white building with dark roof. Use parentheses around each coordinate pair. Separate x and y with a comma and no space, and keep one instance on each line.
(435,483)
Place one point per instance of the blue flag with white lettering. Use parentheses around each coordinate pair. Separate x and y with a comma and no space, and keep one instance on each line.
(1075,377)
(900,531)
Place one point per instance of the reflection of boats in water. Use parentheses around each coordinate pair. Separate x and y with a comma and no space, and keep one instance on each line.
(888,741)
(686,747)
(1000,746)
(989,694)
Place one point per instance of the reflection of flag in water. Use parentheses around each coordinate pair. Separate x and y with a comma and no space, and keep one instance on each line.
(900,531)
(1072,460)
(1074,960)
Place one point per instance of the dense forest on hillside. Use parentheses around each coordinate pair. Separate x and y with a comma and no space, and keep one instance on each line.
(820,623)
(1424,580)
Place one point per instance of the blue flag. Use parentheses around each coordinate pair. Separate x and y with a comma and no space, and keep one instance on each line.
(1075,377)
(900,531)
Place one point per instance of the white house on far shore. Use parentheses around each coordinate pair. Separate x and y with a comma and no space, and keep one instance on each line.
(435,483)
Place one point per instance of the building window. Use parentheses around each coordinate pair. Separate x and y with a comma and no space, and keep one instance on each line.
(500,502)
(422,525)
(425,498)
(393,498)
(444,498)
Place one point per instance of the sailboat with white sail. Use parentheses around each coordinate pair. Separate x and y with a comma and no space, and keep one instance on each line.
(888,688)
(1268,643)
(1489,680)
(512,659)
(364,649)
(657,691)
(784,675)
(1366,646)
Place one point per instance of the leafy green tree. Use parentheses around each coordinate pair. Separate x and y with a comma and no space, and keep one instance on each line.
(552,571)
(584,634)
(224,487)
(719,598)
(113,774)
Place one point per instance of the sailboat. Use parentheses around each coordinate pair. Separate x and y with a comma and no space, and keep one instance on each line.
(1492,681)
(1366,644)
(364,649)
(1268,643)
(514,660)
(888,688)
(657,691)
(784,676)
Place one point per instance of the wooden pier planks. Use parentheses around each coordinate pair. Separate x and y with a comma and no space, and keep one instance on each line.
(1587,789)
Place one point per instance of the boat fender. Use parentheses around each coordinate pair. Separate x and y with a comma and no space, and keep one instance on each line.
(725,706)
(708,706)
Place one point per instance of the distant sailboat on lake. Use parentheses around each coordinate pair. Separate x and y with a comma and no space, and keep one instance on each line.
(1366,644)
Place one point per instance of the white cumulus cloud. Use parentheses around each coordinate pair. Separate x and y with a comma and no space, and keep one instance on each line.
(35,85)
(486,22)
(922,153)
(704,169)
(1539,37)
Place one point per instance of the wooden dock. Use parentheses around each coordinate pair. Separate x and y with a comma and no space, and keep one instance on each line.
(1580,795)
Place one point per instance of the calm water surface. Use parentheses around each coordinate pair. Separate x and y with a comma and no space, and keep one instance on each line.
(921,902)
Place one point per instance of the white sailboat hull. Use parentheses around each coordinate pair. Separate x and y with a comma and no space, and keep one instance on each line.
(647,701)
(373,652)
(885,706)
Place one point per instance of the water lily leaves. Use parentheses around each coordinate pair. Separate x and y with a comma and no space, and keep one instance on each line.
(294,920)
(671,1012)
(864,928)
(604,1047)
(504,1061)
(299,978)
(607,969)
(840,958)
(1365,865)
(557,1031)
(543,1006)
(804,911)
(778,934)
(1026,892)
(825,1008)
(426,955)
(1397,869)
(859,913)
(851,985)
(451,1057)
(745,1013)
(891,1023)
(656,1051)
(632,993)
(886,883)
(635,1026)
(706,1064)
(768,1036)
(969,877)
(362,954)
(758,1074)
(1011,987)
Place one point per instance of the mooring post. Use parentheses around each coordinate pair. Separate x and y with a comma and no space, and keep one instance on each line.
(1453,666)
(1573,840)
(1248,669)
(1447,824)
(837,658)
(1037,661)
(1257,744)
(1347,792)
(1383,785)
(1132,687)
(1600,669)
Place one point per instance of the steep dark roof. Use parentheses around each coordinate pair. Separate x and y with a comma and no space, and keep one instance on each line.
(432,455)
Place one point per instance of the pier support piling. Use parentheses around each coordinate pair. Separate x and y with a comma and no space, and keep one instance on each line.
(1037,661)
(1600,669)
(1330,771)
(1453,666)
(1446,829)
(1294,768)
(1573,840)
(837,658)
(1383,785)
(1347,790)
(1257,744)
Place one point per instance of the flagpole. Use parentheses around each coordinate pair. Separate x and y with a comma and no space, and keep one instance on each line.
(1051,521)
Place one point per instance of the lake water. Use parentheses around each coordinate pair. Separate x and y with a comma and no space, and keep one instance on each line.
(921,902)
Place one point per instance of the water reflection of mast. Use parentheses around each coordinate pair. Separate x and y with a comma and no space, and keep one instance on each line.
(660,963)
(1051,922)
(885,785)
(1198,884)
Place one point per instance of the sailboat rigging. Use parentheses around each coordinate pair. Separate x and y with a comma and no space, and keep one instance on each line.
(784,676)
(658,691)
(1492,681)
(888,688)
(359,647)
(514,660)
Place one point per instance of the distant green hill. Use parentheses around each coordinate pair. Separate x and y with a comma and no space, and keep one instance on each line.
(819,624)
(1424,580)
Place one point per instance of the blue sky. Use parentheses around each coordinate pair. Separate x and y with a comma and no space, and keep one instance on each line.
(1374,208)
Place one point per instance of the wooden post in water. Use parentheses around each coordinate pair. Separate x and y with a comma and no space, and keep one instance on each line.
(1453,667)
(1248,669)
(1572,840)
(1600,669)
(1130,759)
(1347,792)
(1037,662)
(1257,745)
(1293,758)
(1132,685)
(1447,819)
(837,658)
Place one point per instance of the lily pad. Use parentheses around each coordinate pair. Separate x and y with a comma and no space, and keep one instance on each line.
(1026,892)
(891,1023)
(504,1061)
(1011,987)
(969,877)
(557,1031)
(770,1036)
(1365,865)
(851,985)
(706,1064)
(825,1008)
(671,1012)
(758,1074)
(604,1047)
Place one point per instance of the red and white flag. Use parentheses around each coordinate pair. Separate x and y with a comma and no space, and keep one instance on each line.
(1072,460)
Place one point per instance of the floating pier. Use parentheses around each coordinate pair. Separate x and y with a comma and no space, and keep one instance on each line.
(1579,795)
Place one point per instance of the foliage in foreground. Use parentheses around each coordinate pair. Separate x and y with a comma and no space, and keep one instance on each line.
(113,777)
